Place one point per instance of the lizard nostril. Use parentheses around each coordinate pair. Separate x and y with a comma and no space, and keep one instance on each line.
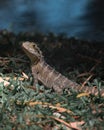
(37,72)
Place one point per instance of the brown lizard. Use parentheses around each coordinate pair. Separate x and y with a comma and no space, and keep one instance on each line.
(50,77)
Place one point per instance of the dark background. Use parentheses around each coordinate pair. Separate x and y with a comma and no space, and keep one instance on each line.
(78,18)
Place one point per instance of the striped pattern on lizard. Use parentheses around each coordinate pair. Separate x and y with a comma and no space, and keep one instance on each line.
(48,76)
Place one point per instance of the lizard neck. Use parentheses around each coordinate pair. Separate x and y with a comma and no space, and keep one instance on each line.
(35,61)
(42,63)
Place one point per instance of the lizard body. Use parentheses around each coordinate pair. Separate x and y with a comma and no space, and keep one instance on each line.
(50,77)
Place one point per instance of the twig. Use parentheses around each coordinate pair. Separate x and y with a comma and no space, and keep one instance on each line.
(86,81)
(89,58)
(92,69)
(12,58)
(83,74)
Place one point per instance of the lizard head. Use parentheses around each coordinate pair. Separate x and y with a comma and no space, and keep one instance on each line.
(32,51)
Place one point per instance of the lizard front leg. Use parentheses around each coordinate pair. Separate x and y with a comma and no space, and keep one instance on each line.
(35,76)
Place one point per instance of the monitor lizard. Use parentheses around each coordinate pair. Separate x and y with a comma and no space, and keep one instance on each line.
(48,76)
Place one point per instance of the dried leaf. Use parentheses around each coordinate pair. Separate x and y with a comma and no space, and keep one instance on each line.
(82,95)
(6,83)
(77,125)
(74,125)
(25,75)
(60,109)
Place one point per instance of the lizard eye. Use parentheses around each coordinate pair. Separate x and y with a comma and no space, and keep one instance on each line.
(37,51)
(34,46)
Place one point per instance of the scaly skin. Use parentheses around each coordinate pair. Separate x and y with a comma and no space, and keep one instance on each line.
(50,77)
